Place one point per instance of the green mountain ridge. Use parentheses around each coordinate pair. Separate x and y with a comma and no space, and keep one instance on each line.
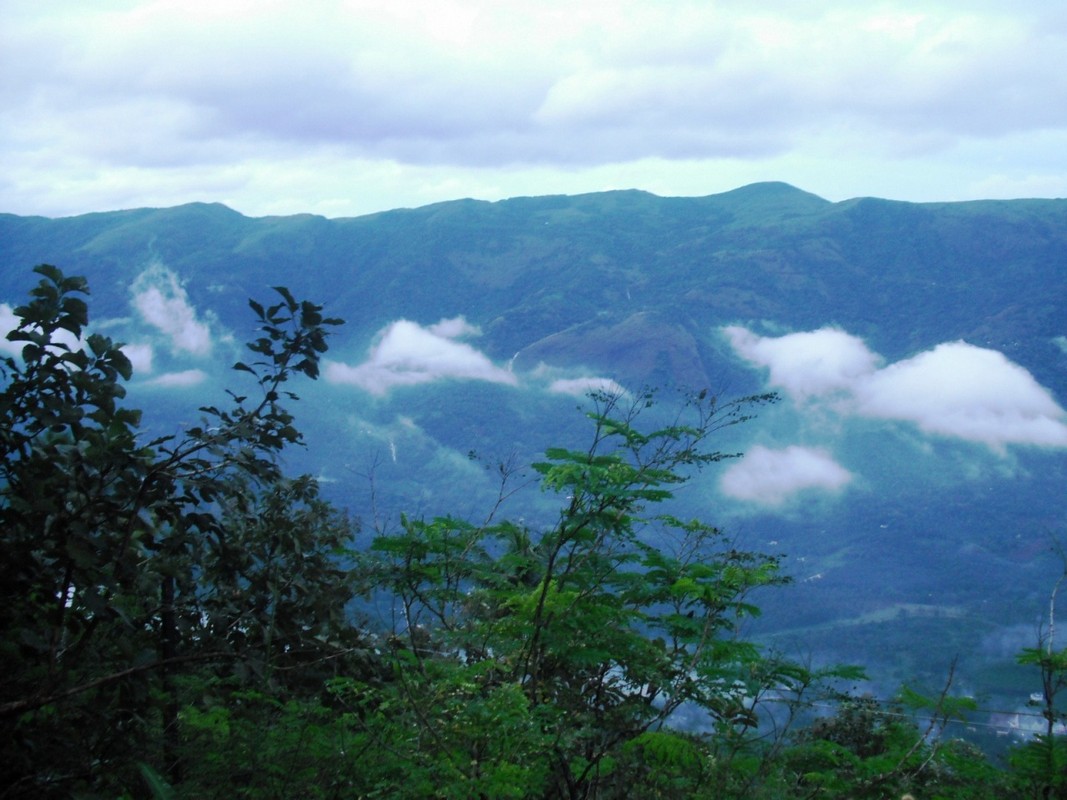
(905,275)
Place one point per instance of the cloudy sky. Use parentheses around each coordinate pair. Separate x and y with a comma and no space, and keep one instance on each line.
(343,107)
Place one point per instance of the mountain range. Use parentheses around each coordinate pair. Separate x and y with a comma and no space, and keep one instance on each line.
(912,474)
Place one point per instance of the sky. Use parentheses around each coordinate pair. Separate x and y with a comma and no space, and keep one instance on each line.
(347,107)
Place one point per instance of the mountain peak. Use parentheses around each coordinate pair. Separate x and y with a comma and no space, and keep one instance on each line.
(774,192)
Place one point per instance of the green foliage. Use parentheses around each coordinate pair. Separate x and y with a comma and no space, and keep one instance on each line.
(257,745)
(867,750)
(159,788)
(1040,765)
(444,731)
(597,632)
(608,623)
(128,564)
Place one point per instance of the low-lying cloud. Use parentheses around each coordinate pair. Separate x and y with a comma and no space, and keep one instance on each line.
(579,387)
(771,477)
(141,357)
(815,363)
(956,389)
(162,302)
(8,323)
(179,380)
(407,354)
(968,392)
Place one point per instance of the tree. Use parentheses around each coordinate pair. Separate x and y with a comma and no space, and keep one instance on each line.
(1040,765)
(127,564)
(868,749)
(595,633)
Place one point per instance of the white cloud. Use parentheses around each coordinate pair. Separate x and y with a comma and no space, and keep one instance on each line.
(583,386)
(771,477)
(407,354)
(454,328)
(8,323)
(140,356)
(955,390)
(968,392)
(805,364)
(163,303)
(179,380)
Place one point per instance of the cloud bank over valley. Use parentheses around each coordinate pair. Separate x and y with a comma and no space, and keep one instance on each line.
(954,391)
(407,354)
(162,302)
(771,477)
